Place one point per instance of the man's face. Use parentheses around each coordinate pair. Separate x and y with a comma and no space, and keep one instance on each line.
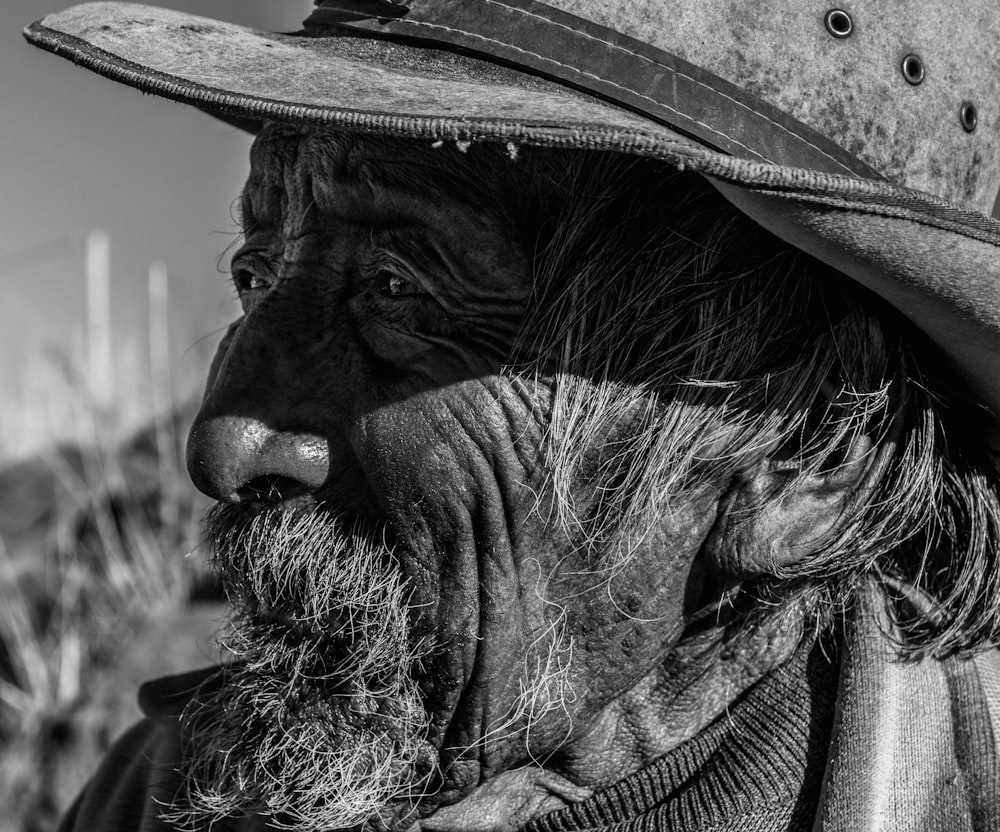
(368,384)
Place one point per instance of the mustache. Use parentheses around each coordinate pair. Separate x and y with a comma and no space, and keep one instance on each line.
(304,580)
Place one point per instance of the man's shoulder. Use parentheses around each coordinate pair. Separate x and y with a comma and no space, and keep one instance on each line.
(138,779)
(915,739)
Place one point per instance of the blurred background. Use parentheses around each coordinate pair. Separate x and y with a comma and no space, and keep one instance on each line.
(82,154)
(115,223)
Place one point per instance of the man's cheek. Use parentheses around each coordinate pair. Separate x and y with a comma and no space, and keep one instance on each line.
(412,453)
(626,611)
(427,451)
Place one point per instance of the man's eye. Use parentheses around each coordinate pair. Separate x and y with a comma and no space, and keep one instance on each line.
(247,280)
(395,286)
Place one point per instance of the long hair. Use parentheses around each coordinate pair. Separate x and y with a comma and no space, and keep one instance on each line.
(657,301)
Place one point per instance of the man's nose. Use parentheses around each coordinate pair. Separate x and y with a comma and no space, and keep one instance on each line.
(236,459)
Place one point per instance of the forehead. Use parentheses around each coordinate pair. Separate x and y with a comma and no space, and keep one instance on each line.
(369,178)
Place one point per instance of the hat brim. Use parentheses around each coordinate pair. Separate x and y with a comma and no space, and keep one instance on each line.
(357,83)
(937,262)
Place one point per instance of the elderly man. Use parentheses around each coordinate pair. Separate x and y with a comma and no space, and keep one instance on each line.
(554,492)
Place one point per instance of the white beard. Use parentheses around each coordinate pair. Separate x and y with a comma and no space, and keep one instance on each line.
(318,723)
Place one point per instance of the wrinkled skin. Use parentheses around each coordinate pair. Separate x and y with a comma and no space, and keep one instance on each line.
(366,376)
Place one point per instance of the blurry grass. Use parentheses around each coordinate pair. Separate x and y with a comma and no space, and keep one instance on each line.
(96,536)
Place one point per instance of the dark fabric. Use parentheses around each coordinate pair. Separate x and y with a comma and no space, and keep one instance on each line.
(759,767)
(134,782)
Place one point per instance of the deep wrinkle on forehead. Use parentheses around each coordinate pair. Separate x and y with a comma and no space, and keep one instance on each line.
(292,173)
(376,180)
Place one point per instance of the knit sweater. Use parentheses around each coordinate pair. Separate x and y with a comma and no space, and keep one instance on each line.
(758,767)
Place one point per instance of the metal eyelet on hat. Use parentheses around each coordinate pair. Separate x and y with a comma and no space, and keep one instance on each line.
(913,69)
(838,23)
(969,116)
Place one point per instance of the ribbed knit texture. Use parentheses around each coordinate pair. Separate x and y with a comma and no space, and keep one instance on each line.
(758,768)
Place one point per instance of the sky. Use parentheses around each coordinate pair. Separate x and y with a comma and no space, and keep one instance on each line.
(80,153)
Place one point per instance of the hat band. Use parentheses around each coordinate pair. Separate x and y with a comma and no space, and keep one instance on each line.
(532,36)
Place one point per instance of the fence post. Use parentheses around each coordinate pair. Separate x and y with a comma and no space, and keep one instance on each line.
(163,403)
(97,262)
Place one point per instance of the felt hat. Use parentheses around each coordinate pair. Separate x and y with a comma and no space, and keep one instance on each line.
(865,132)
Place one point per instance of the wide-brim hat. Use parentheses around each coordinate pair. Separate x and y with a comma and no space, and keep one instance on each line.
(867,134)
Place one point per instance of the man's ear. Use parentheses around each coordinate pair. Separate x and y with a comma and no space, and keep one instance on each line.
(776,515)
